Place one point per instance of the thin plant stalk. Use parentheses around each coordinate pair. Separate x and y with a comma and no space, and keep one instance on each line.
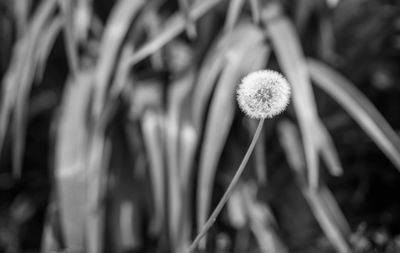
(229,190)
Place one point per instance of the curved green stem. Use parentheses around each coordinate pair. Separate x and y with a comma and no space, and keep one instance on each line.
(229,190)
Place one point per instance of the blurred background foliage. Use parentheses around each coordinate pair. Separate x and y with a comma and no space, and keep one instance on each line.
(119,130)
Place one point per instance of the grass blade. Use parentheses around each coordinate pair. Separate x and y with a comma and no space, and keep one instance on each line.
(18,80)
(187,153)
(174,26)
(235,208)
(127,190)
(46,44)
(221,114)
(255,11)
(70,161)
(153,143)
(70,40)
(211,69)
(121,74)
(207,77)
(234,9)
(328,223)
(83,18)
(24,80)
(291,59)
(359,107)
(190,26)
(320,200)
(328,151)
(153,24)
(332,207)
(178,92)
(51,235)
(289,139)
(22,9)
(216,132)
(98,155)
(262,222)
(115,32)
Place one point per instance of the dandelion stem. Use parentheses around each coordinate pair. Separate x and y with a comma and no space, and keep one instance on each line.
(229,190)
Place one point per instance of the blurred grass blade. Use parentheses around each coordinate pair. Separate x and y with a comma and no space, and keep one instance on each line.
(178,93)
(187,148)
(289,139)
(128,188)
(207,77)
(46,44)
(244,210)
(326,221)
(83,18)
(303,13)
(234,9)
(70,161)
(51,235)
(322,204)
(359,107)
(262,222)
(331,206)
(255,11)
(292,62)
(98,155)
(328,151)
(153,143)
(22,9)
(247,56)
(24,80)
(121,74)
(129,225)
(9,92)
(18,80)
(80,171)
(210,71)
(190,26)
(116,29)
(174,26)
(70,40)
(187,145)
(222,109)
(171,126)
(153,25)
(266,238)
(236,209)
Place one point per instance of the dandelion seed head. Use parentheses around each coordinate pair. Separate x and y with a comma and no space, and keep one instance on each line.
(263,94)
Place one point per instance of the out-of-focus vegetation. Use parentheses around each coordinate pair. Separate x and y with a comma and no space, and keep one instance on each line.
(119,130)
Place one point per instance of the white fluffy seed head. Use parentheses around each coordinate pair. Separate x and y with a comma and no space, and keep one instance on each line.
(263,94)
